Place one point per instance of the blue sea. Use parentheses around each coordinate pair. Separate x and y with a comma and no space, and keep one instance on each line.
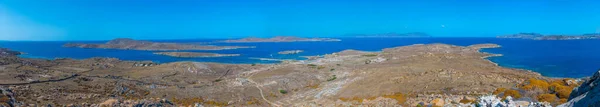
(562,58)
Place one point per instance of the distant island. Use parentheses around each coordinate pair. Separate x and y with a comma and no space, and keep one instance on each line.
(193,54)
(290,52)
(390,35)
(126,43)
(280,39)
(7,52)
(537,36)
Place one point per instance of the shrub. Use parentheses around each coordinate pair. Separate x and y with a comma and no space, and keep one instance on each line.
(331,69)
(564,92)
(466,101)
(562,100)
(397,96)
(369,55)
(551,98)
(499,90)
(513,93)
(187,101)
(283,91)
(312,65)
(320,67)
(332,78)
(537,84)
(253,64)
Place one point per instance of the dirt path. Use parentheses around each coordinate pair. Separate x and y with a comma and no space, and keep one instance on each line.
(259,86)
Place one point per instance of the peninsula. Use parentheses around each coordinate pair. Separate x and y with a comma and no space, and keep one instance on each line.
(130,44)
(390,35)
(537,36)
(281,39)
(193,54)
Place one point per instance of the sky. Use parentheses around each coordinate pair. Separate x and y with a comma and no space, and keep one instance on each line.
(58,20)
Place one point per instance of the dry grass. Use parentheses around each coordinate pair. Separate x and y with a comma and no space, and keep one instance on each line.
(551,98)
(512,93)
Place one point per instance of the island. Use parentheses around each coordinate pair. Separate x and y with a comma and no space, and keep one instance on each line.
(415,75)
(290,52)
(130,44)
(281,39)
(194,54)
(537,36)
(390,35)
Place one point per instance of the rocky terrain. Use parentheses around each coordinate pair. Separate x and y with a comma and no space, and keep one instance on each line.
(194,54)
(588,94)
(390,35)
(281,39)
(130,44)
(290,52)
(537,36)
(415,75)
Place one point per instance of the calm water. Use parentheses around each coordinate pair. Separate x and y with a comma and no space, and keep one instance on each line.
(571,58)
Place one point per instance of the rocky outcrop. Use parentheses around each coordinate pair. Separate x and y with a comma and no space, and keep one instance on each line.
(281,39)
(126,43)
(7,98)
(586,95)
(7,52)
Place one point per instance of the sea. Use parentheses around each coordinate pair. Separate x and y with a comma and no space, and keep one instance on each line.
(552,58)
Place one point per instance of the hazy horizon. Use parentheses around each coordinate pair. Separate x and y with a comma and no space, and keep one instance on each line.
(95,20)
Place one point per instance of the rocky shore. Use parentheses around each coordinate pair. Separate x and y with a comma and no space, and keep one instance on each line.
(415,75)
(130,44)
(194,54)
(281,39)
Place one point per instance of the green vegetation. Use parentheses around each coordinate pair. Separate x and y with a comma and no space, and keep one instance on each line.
(332,78)
(331,69)
(320,67)
(419,105)
(312,65)
(253,64)
(283,91)
(218,80)
(369,55)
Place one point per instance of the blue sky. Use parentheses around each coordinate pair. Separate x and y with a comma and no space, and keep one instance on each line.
(188,19)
